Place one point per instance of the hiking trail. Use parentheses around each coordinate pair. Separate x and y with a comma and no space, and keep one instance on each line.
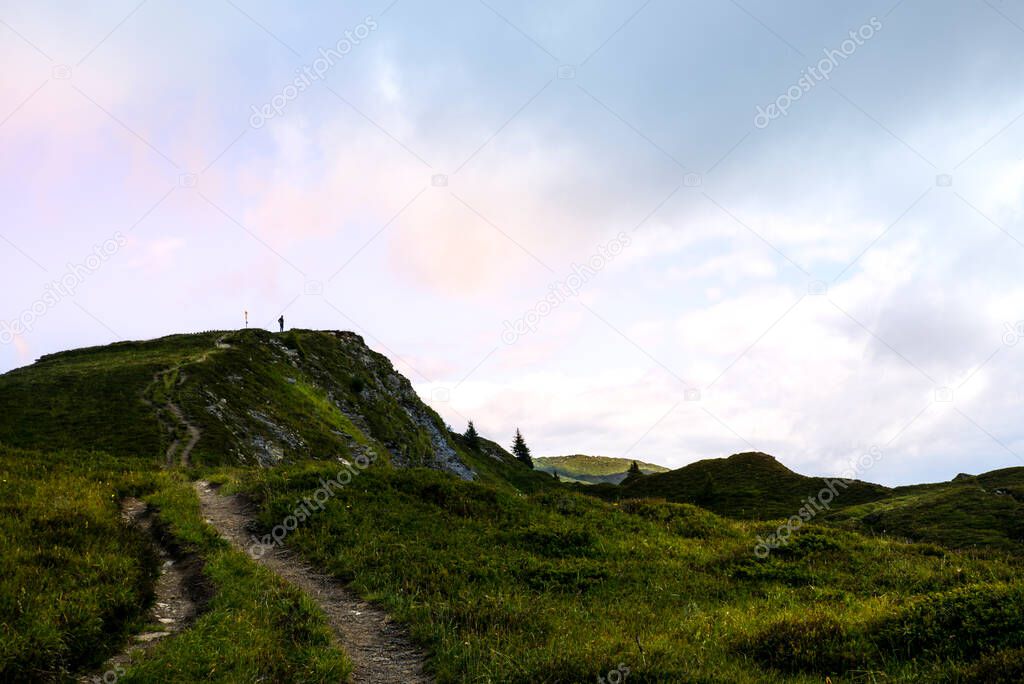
(194,433)
(178,593)
(380,650)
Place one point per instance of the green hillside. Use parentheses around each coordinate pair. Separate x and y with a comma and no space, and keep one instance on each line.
(748,485)
(255,399)
(971,512)
(76,582)
(592,469)
(500,573)
(986,512)
(570,587)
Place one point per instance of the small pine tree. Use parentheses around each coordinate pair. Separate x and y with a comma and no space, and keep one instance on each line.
(472,437)
(520,450)
(633,473)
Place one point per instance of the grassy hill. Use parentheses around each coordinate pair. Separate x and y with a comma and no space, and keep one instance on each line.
(501,573)
(76,582)
(255,399)
(970,512)
(558,586)
(748,485)
(592,469)
(80,430)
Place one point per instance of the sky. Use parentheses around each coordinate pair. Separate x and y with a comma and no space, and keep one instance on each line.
(661,230)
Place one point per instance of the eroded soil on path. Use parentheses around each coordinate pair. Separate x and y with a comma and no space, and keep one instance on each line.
(380,650)
(179,591)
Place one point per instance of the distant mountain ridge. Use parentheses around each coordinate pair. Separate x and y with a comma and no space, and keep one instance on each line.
(592,469)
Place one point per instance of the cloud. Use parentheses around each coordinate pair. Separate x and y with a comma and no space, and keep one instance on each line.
(23,349)
(533,172)
(156,254)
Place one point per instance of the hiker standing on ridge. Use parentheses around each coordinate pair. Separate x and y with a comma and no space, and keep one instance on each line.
(280,321)
(246,318)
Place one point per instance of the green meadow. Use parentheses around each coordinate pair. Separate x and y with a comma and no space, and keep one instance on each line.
(511,577)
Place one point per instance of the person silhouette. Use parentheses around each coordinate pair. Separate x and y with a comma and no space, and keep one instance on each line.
(280,321)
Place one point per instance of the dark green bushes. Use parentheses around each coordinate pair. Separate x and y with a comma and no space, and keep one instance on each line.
(962,624)
(815,643)
(981,627)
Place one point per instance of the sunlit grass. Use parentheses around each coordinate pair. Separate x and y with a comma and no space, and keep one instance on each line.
(561,587)
(76,582)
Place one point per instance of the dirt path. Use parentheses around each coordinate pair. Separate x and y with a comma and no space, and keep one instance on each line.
(194,436)
(380,650)
(176,591)
(172,456)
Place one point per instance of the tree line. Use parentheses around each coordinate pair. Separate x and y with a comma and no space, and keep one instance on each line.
(519,448)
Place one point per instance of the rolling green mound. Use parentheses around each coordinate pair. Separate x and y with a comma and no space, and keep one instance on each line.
(749,486)
(984,511)
(559,586)
(250,397)
(971,512)
(592,469)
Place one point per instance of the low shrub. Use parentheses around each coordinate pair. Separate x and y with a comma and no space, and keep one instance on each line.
(962,624)
(813,643)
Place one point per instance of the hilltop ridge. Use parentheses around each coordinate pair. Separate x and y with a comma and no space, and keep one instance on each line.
(247,397)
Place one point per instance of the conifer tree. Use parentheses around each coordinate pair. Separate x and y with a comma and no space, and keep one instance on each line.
(472,437)
(633,473)
(520,450)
